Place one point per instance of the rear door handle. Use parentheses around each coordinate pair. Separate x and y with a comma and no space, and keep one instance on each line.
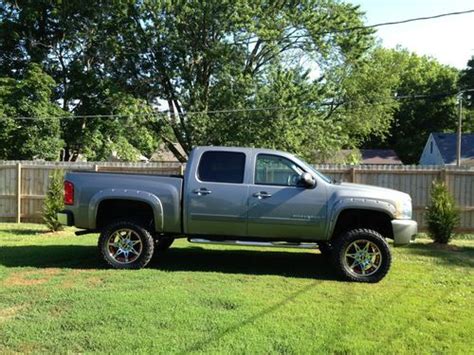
(202,191)
(262,194)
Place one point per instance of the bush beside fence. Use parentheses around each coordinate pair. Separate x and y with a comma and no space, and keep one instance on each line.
(24,184)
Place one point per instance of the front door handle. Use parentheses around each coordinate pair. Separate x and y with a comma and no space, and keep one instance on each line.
(262,194)
(202,191)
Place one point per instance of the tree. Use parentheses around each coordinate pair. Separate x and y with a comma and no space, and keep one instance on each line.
(29,96)
(60,36)
(466,81)
(129,134)
(366,103)
(427,103)
(222,55)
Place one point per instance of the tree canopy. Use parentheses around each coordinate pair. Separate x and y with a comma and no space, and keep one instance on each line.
(427,103)
(205,62)
(303,76)
(29,96)
(467,83)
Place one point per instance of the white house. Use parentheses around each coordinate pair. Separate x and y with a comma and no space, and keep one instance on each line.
(440,149)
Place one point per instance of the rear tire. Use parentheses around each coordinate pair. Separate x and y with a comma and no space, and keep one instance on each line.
(362,255)
(126,245)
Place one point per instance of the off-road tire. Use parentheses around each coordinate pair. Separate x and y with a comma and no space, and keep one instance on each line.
(163,243)
(344,241)
(144,235)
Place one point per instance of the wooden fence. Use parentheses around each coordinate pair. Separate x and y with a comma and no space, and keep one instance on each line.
(23,184)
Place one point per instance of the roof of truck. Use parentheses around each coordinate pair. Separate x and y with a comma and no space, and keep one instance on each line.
(242,149)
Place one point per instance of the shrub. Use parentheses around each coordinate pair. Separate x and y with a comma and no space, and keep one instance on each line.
(54,201)
(442,214)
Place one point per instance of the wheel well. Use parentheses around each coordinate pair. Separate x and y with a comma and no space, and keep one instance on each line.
(117,209)
(360,218)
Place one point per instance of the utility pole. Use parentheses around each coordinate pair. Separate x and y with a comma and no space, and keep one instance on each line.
(459,137)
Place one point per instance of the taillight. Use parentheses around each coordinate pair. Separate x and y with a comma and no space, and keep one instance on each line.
(68,193)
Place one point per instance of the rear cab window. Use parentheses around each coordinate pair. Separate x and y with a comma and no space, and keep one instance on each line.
(220,166)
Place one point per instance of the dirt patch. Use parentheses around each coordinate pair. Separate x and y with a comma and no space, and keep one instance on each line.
(67,283)
(28,348)
(10,312)
(79,277)
(94,281)
(56,233)
(30,278)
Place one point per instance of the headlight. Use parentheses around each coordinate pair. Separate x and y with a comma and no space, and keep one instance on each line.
(404,209)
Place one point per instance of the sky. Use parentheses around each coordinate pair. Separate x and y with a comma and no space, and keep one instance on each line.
(448,39)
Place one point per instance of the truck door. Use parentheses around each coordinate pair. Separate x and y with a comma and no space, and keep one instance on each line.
(279,207)
(216,196)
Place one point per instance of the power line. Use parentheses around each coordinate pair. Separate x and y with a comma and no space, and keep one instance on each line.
(243,110)
(388,23)
(424,18)
(159,113)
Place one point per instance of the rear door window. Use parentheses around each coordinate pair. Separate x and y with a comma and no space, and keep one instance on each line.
(226,167)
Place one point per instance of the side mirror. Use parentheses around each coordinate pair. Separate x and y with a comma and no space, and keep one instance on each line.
(307,180)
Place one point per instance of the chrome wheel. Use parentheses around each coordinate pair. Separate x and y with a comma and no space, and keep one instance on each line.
(362,258)
(124,246)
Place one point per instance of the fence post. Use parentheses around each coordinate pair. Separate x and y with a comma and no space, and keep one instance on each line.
(18,193)
(181,169)
(353,174)
(443,176)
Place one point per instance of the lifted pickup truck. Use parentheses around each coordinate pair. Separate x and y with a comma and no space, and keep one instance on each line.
(240,196)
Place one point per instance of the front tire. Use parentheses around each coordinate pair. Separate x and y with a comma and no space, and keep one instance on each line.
(126,245)
(362,255)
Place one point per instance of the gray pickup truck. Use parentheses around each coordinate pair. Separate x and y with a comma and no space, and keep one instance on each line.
(241,196)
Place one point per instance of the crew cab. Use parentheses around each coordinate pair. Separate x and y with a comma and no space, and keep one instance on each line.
(242,196)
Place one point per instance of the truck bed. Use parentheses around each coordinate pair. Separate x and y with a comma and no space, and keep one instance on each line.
(90,188)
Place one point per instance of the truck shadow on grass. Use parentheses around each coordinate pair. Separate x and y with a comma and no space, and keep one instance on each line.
(308,264)
(57,256)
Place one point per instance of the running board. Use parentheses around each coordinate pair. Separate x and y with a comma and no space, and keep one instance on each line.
(255,244)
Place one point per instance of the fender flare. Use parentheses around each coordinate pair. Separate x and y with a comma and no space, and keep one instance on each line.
(128,194)
(345,204)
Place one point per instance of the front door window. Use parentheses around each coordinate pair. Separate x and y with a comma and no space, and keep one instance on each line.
(276,171)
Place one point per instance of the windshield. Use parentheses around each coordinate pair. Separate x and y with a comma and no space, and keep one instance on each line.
(310,168)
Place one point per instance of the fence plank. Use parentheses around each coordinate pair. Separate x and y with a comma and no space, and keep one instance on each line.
(18,193)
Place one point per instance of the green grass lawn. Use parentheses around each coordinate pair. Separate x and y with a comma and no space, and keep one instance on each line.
(56,296)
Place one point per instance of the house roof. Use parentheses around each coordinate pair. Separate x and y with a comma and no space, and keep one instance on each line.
(373,156)
(379,156)
(446,143)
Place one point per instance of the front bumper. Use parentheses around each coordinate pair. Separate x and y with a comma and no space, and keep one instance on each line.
(66,218)
(404,231)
